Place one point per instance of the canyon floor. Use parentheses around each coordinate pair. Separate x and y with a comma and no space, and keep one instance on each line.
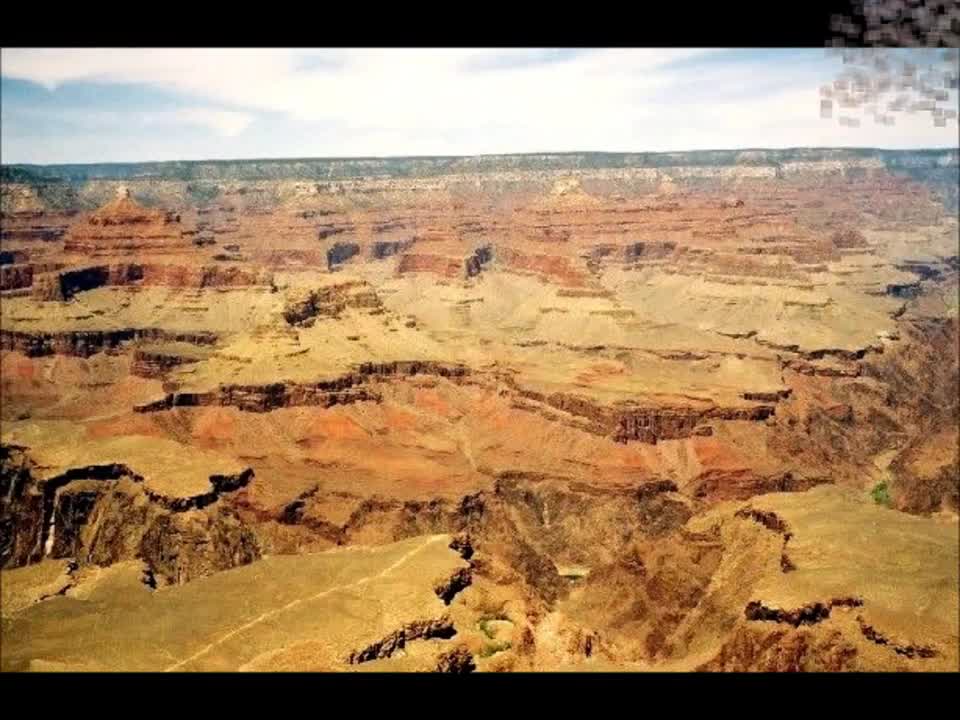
(526,414)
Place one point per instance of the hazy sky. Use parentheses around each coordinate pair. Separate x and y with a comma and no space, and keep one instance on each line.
(103,105)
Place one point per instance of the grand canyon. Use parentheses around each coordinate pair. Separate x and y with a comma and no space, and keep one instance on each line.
(576,412)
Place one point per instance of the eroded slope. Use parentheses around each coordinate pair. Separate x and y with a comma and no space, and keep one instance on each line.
(623,388)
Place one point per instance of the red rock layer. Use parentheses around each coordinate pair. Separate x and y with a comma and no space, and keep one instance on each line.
(124,225)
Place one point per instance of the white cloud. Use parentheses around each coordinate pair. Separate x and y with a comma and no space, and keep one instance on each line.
(227,123)
(470,101)
(417,88)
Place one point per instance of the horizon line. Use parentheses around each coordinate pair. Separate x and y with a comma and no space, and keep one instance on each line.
(955,148)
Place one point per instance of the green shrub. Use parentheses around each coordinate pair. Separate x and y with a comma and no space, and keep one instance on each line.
(881,494)
(484,623)
(493,648)
(484,626)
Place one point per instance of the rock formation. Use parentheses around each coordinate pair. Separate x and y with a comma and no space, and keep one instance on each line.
(643,412)
(123,225)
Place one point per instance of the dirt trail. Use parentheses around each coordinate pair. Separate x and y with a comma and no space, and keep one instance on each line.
(293,603)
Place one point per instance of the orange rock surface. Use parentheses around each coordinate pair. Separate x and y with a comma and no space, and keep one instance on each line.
(610,387)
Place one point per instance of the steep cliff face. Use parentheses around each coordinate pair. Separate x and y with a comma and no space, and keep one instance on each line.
(65,285)
(29,223)
(22,510)
(340,252)
(630,253)
(328,302)
(474,263)
(673,423)
(183,546)
(926,475)
(156,361)
(102,515)
(84,343)
(349,388)
(263,398)
(625,423)
(14,277)
(448,267)
(206,276)
(382,249)
(556,268)
(512,523)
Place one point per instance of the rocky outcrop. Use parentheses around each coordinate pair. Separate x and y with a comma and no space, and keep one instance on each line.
(739,484)
(450,587)
(33,226)
(776,524)
(848,238)
(925,270)
(340,252)
(382,249)
(444,266)
(64,285)
(926,474)
(273,257)
(809,614)
(183,546)
(840,412)
(631,252)
(205,276)
(343,390)
(653,424)
(15,277)
(326,231)
(475,262)
(531,522)
(805,367)
(630,608)
(103,514)
(555,268)
(578,525)
(625,423)
(822,353)
(387,646)
(220,485)
(784,650)
(120,523)
(11,257)
(21,509)
(263,398)
(329,302)
(84,343)
(903,290)
(412,367)
(157,362)
(458,661)
(907,649)
(122,225)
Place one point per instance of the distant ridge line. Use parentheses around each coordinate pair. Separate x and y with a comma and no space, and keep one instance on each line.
(429,165)
(564,153)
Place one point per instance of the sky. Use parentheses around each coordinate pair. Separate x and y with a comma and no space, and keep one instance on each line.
(84,105)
